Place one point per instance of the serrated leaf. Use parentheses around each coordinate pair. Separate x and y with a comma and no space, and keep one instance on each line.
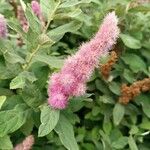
(132,143)
(118,113)
(66,134)
(2,100)
(49,118)
(11,120)
(5,143)
(130,41)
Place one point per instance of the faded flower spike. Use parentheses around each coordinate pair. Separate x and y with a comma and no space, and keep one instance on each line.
(71,80)
(3,27)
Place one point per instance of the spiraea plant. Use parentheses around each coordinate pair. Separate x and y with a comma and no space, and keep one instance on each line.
(53,94)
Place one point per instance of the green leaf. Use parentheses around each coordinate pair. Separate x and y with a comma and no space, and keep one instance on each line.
(12,120)
(145,125)
(16,27)
(45,41)
(57,33)
(66,134)
(96,110)
(17,82)
(145,102)
(71,3)
(106,99)
(33,20)
(107,127)
(135,62)
(120,143)
(5,143)
(32,96)
(49,118)
(2,100)
(140,8)
(100,85)
(73,14)
(118,113)
(130,41)
(134,130)
(48,7)
(54,62)
(128,75)
(132,143)
(115,88)
(27,128)
(20,80)
(13,58)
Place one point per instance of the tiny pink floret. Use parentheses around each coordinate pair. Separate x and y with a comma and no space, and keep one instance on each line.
(77,69)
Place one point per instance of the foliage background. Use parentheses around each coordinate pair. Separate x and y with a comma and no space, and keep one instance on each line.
(94,121)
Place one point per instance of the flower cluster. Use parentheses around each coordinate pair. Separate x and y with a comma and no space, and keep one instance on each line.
(71,80)
(26,144)
(3,27)
(129,92)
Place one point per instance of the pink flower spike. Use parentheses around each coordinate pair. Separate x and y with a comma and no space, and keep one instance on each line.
(3,27)
(36,8)
(26,144)
(72,78)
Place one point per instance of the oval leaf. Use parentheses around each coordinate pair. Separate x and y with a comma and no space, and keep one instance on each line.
(118,113)
(66,134)
(130,41)
(49,119)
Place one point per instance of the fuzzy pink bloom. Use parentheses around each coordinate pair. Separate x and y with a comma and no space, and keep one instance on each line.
(71,80)
(36,8)
(3,27)
(26,144)
(59,101)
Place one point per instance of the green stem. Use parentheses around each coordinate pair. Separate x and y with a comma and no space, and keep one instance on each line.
(50,18)
(29,61)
